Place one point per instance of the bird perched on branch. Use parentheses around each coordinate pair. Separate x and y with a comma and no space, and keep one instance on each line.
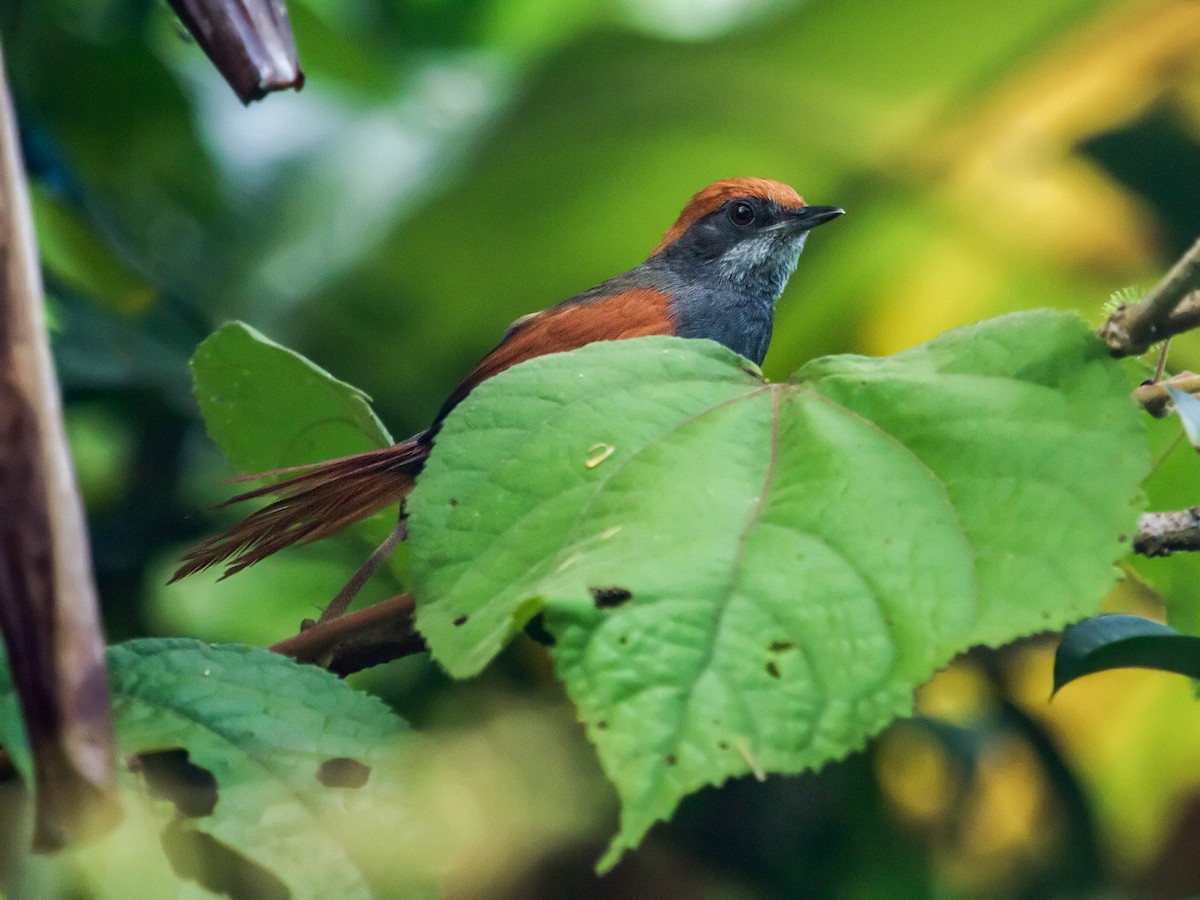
(715,274)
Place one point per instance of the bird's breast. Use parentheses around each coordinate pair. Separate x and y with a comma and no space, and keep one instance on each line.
(740,322)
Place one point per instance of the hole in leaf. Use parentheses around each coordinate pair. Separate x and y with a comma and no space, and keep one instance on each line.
(452,501)
(461,620)
(170,775)
(199,857)
(781,646)
(343,772)
(773,669)
(536,629)
(601,725)
(610,597)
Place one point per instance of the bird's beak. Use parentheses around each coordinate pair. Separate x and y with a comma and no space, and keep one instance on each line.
(807,217)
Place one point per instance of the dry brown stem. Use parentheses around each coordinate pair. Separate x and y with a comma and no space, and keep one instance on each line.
(48,608)
(1172,307)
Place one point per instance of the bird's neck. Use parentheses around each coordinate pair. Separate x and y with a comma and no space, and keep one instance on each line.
(724,299)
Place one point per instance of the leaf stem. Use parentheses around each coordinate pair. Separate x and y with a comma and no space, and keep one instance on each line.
(1163,352)
(342,599)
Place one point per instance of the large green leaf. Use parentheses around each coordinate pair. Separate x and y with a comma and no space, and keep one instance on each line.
(278,740)
(264,727)
(745,577)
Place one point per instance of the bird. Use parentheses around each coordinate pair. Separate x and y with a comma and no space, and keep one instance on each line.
(717,274)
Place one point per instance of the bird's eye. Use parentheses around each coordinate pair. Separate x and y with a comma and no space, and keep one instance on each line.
(741,214)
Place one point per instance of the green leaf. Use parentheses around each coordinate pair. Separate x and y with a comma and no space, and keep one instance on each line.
(264,726)
(268,407)
(12,725)
(744,577)
(1121,641)
(269,731)
(75,254)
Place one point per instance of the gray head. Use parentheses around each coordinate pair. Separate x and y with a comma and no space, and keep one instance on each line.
(727,259)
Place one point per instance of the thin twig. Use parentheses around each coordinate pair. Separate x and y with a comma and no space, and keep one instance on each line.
(361,639)
(1171,307)
(1163,352)
(341,601)
(1163,533)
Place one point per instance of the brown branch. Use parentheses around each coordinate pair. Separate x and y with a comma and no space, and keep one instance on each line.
(1162,533)
(358,640)
(48,608)
(1173,306)
(1186,315)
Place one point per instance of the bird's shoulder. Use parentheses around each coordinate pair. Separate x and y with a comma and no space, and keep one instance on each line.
(620,308)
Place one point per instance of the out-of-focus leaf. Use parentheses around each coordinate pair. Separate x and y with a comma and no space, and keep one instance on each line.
(126,864)
(94,349)
(1188,408)
(336,53)
(142,162)
(12,726)
(308,776)
(1120,642)
(78,257)
(292,587)
(101,447)
(263,727)
(753,578)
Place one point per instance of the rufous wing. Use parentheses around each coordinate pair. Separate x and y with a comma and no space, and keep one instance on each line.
(328,496)
(640,312)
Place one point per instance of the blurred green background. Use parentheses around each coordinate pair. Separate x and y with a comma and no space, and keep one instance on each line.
(453,164)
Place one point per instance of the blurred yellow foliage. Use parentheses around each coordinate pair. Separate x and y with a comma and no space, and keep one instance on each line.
(1014,189)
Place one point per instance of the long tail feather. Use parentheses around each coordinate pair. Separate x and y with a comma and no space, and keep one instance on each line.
(322,499)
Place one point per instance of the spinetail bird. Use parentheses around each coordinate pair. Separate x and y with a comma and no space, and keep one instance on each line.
(716,274)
